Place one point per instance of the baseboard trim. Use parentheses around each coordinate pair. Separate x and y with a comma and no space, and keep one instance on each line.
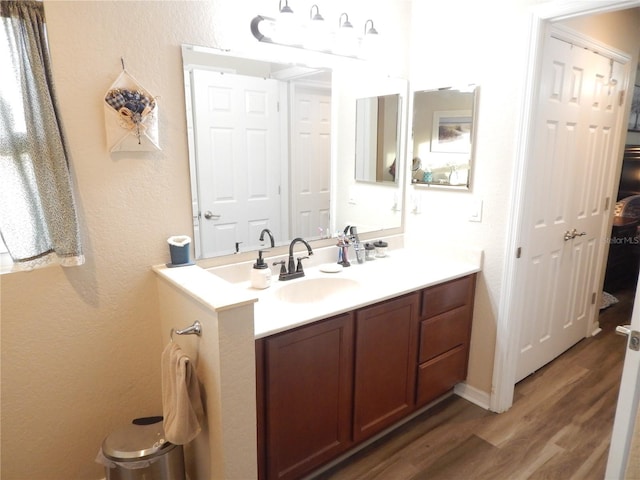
(473,395)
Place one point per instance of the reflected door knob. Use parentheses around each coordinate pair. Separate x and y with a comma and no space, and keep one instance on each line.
(211,216)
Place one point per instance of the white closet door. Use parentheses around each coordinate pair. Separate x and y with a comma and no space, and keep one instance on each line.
(565,217)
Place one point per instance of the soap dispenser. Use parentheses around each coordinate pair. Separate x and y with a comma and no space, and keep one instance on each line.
(260,273)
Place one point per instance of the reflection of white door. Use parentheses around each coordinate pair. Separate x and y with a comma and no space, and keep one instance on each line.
(568,183)
(366,138)
(238,159)
(310,160)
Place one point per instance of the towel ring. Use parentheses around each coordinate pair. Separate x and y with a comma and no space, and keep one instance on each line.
(195,329)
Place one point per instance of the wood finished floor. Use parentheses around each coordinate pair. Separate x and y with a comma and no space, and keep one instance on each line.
(559,427)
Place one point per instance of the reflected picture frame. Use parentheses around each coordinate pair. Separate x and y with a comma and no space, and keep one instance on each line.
(452,130)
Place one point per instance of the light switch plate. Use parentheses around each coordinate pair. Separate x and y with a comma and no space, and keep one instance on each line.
(475,214)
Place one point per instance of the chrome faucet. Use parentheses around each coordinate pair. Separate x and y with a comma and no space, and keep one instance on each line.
(293,270)
(268,232)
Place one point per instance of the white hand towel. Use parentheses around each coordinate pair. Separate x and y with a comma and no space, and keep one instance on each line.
(181,402)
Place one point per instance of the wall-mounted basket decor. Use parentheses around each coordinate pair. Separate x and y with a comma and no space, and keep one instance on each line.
(131,116)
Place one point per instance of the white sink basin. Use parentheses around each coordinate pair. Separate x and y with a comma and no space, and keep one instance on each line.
(315,289)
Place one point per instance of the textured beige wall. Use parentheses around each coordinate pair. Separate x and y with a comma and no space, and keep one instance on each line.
(81,347)
(474,52)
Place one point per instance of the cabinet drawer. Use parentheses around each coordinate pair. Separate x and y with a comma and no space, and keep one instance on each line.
(447,296)
(443,332)
(441,374)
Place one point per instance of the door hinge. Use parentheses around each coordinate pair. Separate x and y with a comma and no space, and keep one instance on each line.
(593,298)
(278,107)
(621,101)
(519,252)
(606,203)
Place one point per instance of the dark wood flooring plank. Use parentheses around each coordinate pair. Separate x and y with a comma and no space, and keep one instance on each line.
(459,462)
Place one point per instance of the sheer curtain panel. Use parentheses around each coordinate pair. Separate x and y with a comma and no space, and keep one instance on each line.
(38,220)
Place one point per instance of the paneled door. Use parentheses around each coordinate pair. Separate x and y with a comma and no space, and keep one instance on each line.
(237,139)
(569,185)
(311,160)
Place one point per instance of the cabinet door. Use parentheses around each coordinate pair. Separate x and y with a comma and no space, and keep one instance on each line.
(386,362)
(308,396)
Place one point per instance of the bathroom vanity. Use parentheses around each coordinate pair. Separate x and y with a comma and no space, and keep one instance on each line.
(323,363)
(325,387)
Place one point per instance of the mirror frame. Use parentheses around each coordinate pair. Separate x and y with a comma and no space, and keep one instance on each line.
(473,114)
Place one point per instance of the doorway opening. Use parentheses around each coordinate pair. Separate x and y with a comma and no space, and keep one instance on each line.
(508,329)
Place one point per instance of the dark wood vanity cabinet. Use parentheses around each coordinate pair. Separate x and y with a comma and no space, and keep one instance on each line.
(306,398)
(385,365)
(325,387)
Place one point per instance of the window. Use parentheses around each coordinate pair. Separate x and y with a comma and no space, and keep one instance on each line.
(37,211)
(10,95)
(5,258)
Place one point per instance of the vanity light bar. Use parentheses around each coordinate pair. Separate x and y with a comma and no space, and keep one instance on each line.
(343,42)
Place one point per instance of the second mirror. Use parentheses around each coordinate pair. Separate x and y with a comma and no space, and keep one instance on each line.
(443,131)
(377,138)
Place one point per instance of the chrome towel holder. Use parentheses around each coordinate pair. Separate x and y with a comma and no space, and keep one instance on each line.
(195,329)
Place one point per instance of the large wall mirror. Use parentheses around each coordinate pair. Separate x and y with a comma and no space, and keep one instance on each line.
(264,143)
(377,138)
(443,134)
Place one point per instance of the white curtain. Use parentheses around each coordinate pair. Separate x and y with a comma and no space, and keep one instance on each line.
(38,220)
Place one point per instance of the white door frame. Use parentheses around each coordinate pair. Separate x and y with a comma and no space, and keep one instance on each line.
(509,322)
(624,431)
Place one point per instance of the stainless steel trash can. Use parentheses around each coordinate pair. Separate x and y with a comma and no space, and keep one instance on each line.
(140,452)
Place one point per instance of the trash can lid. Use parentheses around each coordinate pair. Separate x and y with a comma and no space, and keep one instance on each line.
(135,442)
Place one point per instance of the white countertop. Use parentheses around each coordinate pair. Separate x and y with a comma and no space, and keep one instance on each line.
(377,280)
(402,271)
(210,290)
